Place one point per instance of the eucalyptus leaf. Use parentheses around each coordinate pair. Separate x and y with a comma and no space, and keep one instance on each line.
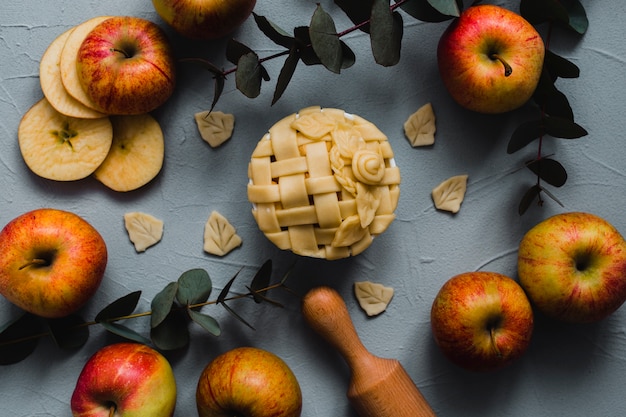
(549,170)
(540,11)
(121,307)
(249,75)
(286,72)
(19,338)
(235,50)
(273,32)
(206,322)
(561,67)
(261,279)
(426,12)
(358,11)
(527,199)
(125,332)
(524,134)
(194,287)
(325,41)
(446,7)
(578,20)
(550,99)
(161,304)
(562,128)
(236,315)
(69,332)
(386,30)
(308,55)
(172,333)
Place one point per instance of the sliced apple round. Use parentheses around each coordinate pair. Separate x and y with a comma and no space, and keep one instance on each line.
(136,154)
(52,85)
(69,73)
(60,147)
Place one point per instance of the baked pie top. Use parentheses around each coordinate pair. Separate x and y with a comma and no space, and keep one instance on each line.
(323,183)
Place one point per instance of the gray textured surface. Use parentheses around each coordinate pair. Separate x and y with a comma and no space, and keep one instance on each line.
(568,370)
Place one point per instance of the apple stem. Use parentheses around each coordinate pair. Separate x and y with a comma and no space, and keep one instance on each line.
(36,261)
(112,410)
(120,51)
(492,334)
(507,68)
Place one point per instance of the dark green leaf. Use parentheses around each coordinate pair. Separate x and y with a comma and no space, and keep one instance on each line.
(161,304)
(218,76)
(548,170)
(358,11)
(19,338)
(259,296)
(286,72)
(172,333)
(446,7)
(235,50)
(524,134)
(552,196)
(423,9)
(206,322)
(249,75)
(325,40)
(558,66)
(261,279)
(237,316)
(226,290)
(218,90)
(540,11)
(121,307)
(562,128)
(386,31)
(308,55)
(275,33)
(551,100)
(125,332)
(69,332)
(527,199)
(194,287)
(349,58)
(577,16)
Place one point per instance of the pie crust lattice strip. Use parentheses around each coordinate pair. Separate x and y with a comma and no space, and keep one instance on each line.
(323,183)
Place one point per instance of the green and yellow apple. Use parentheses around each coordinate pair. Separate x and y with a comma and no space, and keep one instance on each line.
(573,267)
(125,380)
(490,59)
(126,66)
(482,321)
(204,19)
(248,382)
(51,262)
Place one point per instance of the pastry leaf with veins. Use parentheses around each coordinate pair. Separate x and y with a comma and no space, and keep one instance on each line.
(220,237)
(215,127)
(420,127)
(373,298)
(143,230)
(450,193)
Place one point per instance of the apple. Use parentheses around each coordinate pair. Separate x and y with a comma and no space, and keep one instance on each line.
(204,19)
(482,321)
(125,380)
(248,382)
(51,262)
(490,59)
(573,267)
(126,66)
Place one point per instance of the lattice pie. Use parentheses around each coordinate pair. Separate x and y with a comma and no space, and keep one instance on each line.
(323,183)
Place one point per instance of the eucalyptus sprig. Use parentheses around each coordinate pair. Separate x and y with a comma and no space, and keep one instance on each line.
(555,115)
(172,310)
(320,43)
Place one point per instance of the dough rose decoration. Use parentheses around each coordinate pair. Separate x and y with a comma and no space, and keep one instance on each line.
(323,183)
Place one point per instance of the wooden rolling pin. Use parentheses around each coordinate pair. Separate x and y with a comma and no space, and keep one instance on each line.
(378,387)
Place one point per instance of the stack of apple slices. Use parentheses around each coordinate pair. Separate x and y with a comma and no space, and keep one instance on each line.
(67,136)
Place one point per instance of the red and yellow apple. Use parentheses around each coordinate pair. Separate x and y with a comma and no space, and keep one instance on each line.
(482,321)
(248,382)
(204,19)
(573,267)
(126,66)
(51,262)
(125,380)
(490,59)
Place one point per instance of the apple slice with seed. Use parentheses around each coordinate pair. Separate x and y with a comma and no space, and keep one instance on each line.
(60,147)
(136,155)
(52,85)
(69,72)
